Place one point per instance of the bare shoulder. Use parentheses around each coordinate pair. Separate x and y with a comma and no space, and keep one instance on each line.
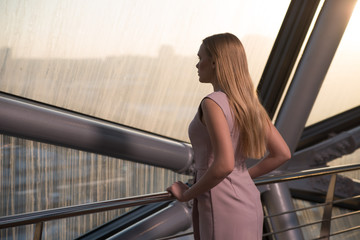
(210,105)
(213,117)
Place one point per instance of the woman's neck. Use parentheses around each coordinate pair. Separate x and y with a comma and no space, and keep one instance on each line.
(216,87)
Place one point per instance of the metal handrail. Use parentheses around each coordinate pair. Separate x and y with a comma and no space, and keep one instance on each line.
(316,172)
(344,231)
(345,215)
(310,207)
(77,210)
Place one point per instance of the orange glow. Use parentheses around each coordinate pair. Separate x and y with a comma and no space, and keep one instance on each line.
(352,33)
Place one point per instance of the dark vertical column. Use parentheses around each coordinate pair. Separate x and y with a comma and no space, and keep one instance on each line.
(285,52)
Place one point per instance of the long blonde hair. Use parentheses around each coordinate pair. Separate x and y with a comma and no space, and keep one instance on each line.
(233,77)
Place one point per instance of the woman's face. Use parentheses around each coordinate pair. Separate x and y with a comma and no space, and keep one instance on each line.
(205,66)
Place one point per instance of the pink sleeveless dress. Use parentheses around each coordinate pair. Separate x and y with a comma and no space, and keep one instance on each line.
(232,209)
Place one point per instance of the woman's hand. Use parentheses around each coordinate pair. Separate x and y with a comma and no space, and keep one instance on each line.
(178,190)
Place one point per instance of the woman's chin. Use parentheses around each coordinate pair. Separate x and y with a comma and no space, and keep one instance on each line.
(202,80)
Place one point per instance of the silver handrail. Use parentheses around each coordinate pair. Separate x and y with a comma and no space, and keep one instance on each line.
(77,210)
(315,206)
(316,172)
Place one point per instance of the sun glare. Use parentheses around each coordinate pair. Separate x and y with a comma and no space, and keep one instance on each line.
(352,33)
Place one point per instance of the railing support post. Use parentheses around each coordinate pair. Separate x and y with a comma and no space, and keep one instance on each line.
(326,221)
(38,230)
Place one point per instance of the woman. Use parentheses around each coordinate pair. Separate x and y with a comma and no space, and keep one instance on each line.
(230,126)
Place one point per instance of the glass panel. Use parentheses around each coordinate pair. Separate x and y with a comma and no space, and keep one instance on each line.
(132,61)
(36,176)
(340,90)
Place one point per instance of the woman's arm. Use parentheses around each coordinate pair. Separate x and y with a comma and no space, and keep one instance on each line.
(224,162)
(278,154)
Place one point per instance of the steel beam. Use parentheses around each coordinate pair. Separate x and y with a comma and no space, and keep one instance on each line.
(285,52)
(320,154)
(48,124)
(312,69)
(304,88)
(329,127)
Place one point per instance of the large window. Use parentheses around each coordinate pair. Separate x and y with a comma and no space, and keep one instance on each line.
(126,61)
(130,61)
